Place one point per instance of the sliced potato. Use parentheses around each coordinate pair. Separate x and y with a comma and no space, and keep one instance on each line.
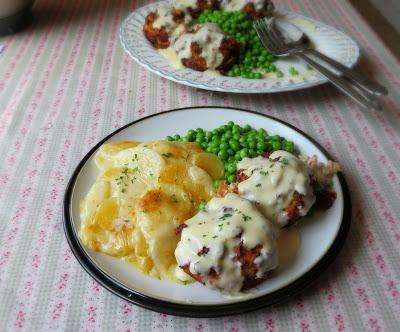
(210,163)
(106,153)
(100,191)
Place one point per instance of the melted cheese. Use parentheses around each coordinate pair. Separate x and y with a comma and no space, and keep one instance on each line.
(166,19)
(184,4)
(272,183)
(222,226)
(233,5)
(209,37)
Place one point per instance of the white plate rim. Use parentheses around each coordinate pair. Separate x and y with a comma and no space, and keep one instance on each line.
(190,310)
(274,89)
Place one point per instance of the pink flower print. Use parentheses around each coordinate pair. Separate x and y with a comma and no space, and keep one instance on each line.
(199,327)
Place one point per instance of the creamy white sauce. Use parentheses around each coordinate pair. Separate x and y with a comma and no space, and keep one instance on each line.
(209,37)
(170,54)
(233,5)
(184,4)
(165,19)
(272,183)
(223,225)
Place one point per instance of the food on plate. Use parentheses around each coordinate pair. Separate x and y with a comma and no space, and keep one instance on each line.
(229,246)
(254,9)
(165,25)
(143,193)
(208,206)
(280,185)
(195,7)
(231,143)
(266,169)
(213,35)
(205,46)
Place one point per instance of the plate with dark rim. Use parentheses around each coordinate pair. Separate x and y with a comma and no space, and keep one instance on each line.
(322,234)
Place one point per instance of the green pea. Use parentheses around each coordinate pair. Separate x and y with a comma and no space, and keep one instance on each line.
(252,153)
(199,139)
(216,183)
(215,150)
(169,138)
(261,145)
(252,143)
(224,146)
(244,153)
(177,137)
(228,134)
(231,168)
(202,206)
(276,145)
(237,136)
(185,139)
(223,154)
(235,145)
(247,128)
(231,178)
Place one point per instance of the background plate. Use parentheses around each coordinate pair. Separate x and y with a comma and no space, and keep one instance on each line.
(322,235)
(326,39)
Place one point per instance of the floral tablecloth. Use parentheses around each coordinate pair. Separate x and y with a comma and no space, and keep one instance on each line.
(66,82)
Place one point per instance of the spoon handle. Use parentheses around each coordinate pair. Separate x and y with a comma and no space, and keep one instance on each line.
(352,75)
(365,100)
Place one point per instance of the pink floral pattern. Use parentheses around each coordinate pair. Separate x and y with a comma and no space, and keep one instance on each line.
(66,82)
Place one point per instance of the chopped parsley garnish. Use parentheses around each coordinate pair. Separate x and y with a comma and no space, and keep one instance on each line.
(215,236)
(284,161)
(245,218)
(264,173)
(167,155)
(174,199)
(258,185)
(226,215)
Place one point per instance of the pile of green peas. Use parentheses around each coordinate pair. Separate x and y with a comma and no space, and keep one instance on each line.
(254,59)
(231,143)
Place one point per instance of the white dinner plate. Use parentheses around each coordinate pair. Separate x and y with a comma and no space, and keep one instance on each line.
(322,235)
(325,39)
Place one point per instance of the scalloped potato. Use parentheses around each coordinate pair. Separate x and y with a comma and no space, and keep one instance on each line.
(143,193)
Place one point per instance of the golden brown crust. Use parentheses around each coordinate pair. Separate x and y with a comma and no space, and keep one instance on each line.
(230,49)
(203,5)
(159,38)
(293,210)
(196,61)
(245,256)
(249,270)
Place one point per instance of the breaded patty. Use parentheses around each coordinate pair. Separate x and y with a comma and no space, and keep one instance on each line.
(228,246)
(207,47)
(196,7)
(160,37)
(245,257)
